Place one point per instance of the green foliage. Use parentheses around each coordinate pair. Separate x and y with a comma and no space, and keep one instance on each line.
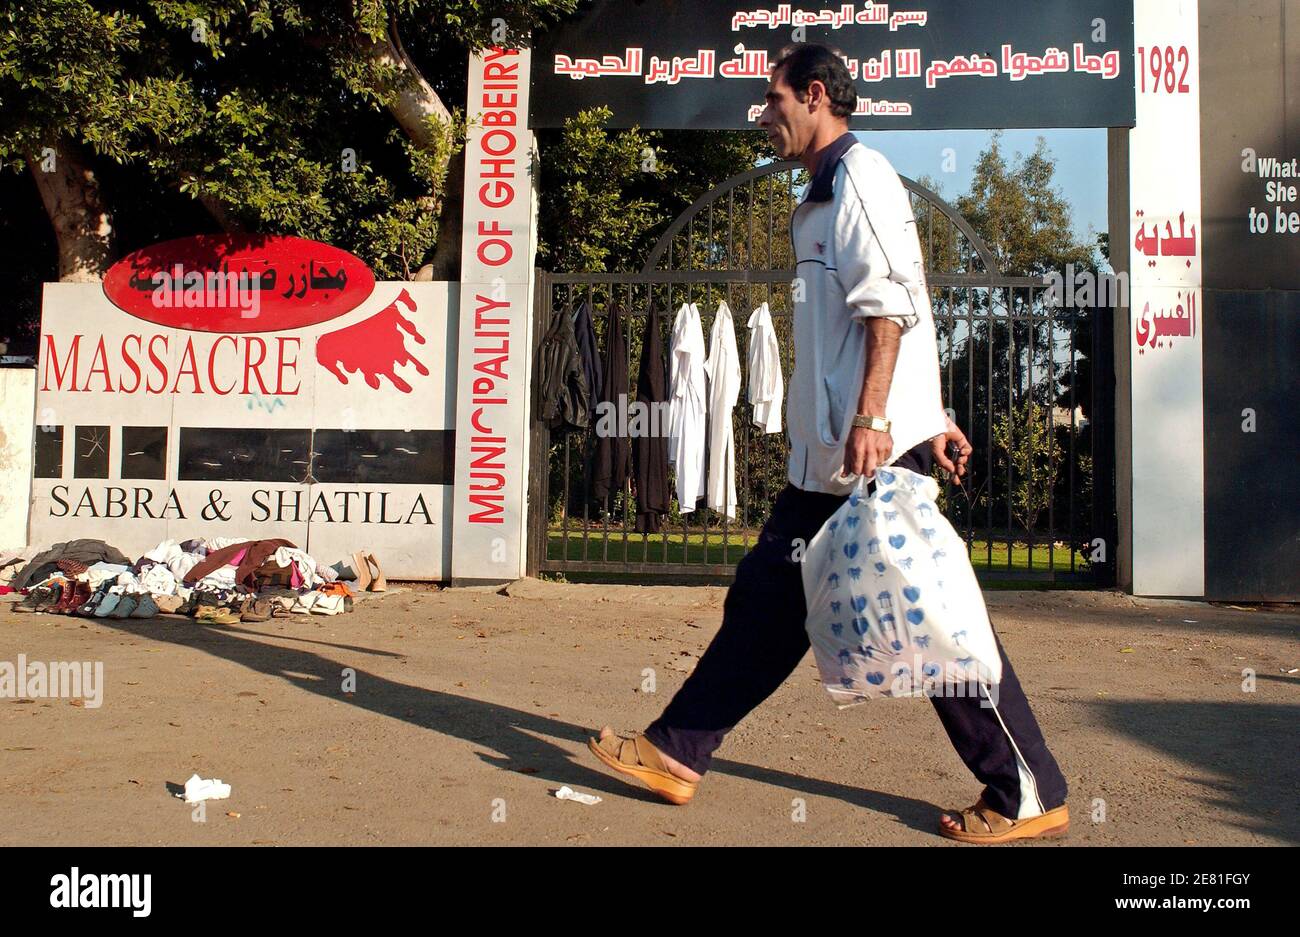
(594,221)
(607,195)
(1025,440)
(251,105)
(1022,217)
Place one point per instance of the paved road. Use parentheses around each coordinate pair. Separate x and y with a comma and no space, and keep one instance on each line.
(471,708)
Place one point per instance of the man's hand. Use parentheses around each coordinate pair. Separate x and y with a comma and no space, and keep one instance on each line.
(865,449)
(939,446)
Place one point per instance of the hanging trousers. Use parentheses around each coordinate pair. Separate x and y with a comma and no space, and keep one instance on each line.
(763,639)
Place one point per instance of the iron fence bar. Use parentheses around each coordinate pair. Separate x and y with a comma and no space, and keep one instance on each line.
(1101,441)
(568,474)
(731,212)
(1029,360)
(749,262)
(627,481)
(1074,426)
(1012,374)
(722,570)
(1051,435)
(988,428)
(929,226)
(970,416)
(671,313)
(586,480)
(763,277)
(730,269)
(771,286)
(686,522)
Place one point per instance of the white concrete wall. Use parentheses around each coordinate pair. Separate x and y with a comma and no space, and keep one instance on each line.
(406,524)
(17,409)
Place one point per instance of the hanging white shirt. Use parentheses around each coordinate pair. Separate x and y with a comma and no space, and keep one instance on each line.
(766,388)
(687,406)
(723,367)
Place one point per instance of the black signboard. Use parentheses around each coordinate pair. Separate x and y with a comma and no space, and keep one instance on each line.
(1250,149)
(921,64)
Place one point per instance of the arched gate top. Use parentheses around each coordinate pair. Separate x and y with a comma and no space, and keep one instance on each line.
(977,245)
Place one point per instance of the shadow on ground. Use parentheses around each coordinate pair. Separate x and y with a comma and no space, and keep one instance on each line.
(511,732)
(1250,748)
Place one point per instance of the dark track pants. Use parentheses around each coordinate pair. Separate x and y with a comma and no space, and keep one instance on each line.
(762,640)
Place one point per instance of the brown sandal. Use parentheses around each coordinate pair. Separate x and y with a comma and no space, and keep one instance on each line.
(362,570)
(1000,829)
(377,582)
(639,759)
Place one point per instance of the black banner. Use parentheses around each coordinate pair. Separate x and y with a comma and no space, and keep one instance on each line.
(339,889)
(920,65)
(1250,150)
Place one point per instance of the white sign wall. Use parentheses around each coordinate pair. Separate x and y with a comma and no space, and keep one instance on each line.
(1168,505)
(496,296)
(336,436)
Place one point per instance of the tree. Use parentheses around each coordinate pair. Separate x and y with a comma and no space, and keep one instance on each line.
(1006,350)
(337,120)
(274,115)
(607,196)
(1028,445)
(1022,217)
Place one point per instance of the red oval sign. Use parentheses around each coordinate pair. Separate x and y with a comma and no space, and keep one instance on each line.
(238,283)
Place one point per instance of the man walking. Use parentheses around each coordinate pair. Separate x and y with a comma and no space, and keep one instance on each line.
(864,393)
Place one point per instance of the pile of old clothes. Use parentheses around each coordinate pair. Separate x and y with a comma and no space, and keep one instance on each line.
(73,553)
(220,579)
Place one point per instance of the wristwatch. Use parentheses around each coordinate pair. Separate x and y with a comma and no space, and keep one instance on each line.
(875,423)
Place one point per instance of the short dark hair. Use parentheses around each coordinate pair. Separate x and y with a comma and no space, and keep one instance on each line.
(806,62)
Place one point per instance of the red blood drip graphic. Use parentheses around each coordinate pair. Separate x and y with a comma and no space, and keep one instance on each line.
(373,347)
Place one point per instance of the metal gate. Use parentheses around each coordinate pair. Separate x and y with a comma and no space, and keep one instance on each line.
(1038,503)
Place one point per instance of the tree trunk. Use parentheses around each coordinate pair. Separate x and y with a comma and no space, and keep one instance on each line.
(222,215)
(83,225)
(412,107)
(445,263)
(416,100)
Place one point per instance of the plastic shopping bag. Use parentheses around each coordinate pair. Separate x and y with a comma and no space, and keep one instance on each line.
(893,605)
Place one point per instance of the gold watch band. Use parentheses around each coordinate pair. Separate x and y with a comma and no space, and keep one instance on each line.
(876,423)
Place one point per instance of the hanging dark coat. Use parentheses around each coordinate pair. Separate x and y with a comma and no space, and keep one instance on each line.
(650,449)
(585,331)
(88,551)
(613,462)
(565,400)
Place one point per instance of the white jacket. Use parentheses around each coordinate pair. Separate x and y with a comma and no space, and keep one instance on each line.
(723,369)
(687,406)
(857,255)
(766,391)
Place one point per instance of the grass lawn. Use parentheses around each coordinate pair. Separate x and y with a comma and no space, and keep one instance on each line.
(685,550)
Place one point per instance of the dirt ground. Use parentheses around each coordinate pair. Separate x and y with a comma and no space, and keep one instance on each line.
(471,708)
